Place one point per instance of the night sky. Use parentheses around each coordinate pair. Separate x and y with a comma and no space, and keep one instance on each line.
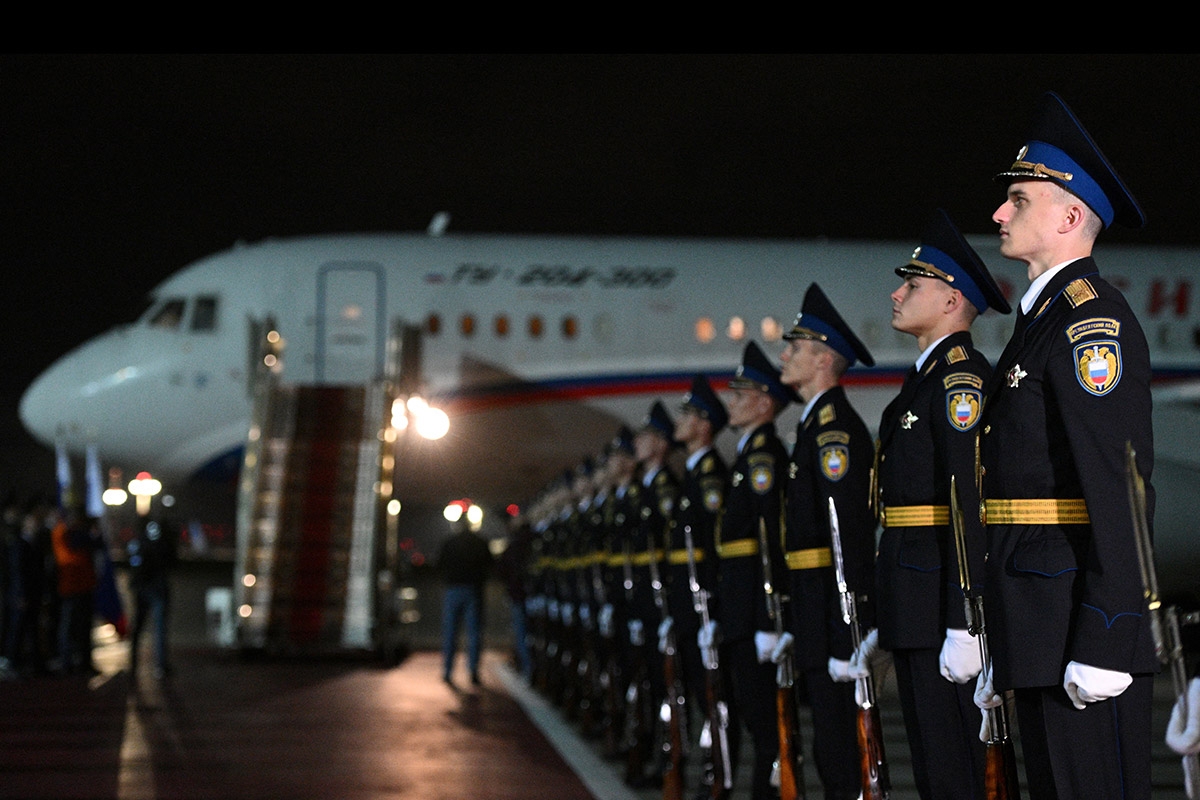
(119,170)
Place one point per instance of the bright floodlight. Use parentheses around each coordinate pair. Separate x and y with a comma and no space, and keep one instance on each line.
(453,512)
(432,423)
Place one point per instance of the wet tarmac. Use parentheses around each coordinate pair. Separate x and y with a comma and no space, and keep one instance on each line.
(224,726)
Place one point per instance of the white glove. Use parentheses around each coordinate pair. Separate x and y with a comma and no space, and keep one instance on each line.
(764,645)
(839,670)
(566,612)
(605,621)
(782,648)
(637,636)
(985,733)
(664,633)
(1086,684)
(860,660)
(708,635)
(985,695)
(585,615)
(552,609)
(707,638)
(1183,731)
(960,659)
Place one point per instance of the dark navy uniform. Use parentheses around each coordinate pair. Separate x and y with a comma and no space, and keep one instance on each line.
(1062,582)
(831,459)
(754,499)
(926,435)
(692,562)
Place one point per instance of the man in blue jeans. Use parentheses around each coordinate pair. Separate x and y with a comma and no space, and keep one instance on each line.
(464,563)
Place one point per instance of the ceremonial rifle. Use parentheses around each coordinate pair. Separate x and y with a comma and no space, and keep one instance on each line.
(1000,765)
(672,712)
(637,694)
(1164,622)
(872,762)
(786,772)
(714,737)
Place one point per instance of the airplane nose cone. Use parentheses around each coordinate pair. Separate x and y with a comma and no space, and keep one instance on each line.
(44,407)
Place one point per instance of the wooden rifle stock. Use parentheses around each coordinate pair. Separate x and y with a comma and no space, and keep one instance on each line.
(1000,765)
(876,783)
(1164,621)
(788,765)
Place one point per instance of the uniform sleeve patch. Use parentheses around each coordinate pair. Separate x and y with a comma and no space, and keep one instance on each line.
(1098,366)
(962,408)
(762,472)
(1097,326)
(962,379)
(835,461)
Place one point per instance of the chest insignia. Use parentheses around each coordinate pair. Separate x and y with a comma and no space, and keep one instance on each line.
(962,408)
(1015,375)
(1098,366)
(907,420)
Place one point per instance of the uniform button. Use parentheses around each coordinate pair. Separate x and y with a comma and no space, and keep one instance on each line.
(987,429)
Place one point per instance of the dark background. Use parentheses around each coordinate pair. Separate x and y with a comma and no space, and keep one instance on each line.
(120,169)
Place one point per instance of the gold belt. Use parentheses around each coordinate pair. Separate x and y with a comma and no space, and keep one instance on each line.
(643,558)
(915,516)
(1049,511)
(681,556)
(738,548)
(809,558)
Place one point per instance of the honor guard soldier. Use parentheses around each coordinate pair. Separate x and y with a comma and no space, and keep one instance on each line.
(831,459)
(691,559)
(926,435)
(754,500)
(659,492)
(620,514)
(1069,630)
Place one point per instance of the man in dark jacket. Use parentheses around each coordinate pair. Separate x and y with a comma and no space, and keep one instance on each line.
(464,563)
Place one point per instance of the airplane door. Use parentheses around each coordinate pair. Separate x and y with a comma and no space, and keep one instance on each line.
(350,340)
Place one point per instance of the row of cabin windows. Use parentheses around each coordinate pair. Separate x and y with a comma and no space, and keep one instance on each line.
(705,329)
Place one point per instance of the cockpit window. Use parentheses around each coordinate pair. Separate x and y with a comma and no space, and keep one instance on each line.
(204,317)
(168,315)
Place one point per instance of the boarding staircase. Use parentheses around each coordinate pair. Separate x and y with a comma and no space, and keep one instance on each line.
(315,567)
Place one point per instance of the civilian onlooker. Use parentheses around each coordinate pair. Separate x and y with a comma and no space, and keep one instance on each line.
(464,563)
(28,553)
(151,557)
(76,538)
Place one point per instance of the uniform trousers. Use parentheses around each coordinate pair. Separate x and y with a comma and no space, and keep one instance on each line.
(754,697)
(942,723)
(835,735)
(1099,753)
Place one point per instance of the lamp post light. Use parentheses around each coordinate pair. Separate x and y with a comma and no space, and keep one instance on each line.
(144,487)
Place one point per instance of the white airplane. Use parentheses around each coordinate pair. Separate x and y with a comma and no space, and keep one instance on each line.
(539,347)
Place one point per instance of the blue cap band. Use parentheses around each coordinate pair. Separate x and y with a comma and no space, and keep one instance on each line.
(832,337)
(1081,184)
(962,281)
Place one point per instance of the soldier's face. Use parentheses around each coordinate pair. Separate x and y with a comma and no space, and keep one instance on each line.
(1029,219)
(797,362)
(919,303)
(744,406)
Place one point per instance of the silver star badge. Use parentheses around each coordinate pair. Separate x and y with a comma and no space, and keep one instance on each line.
(907,420)
(1015,374)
